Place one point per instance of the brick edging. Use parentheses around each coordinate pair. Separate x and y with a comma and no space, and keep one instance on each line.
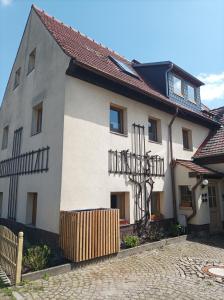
(123,253)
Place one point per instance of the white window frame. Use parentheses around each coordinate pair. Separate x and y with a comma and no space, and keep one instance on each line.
(193,100)
(158,130)
(181,93)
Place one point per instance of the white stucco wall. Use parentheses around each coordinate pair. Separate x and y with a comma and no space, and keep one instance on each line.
(182,178)
(87,139)
(45,83)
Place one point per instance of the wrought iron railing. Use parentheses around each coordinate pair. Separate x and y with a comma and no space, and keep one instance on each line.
(125,162)
(26,163)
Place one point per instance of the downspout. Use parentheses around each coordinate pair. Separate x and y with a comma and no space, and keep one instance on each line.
(172,166)
(194,199)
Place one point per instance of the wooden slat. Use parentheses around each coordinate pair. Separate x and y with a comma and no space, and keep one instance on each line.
(89,234)
(9,254)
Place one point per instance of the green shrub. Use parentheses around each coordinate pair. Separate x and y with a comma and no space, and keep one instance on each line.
(177,229)
(37,257)
(131,241)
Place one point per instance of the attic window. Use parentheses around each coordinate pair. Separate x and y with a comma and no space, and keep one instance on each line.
(124,67)
(17,78)
(31,64)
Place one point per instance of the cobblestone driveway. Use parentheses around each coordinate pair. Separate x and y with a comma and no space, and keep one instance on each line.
(173,272)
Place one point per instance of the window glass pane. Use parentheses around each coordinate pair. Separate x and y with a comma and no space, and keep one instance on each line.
(152,124)
(185,196)
(31,64)
(155,205)
(5,137)
(186,139)
(17,78)
(37,119)
(177,85)
(118,201)
(190,93)
(115,120)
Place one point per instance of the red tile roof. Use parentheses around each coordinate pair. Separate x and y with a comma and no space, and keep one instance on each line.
(95,56)
(213,145)
(195,168)
(90,53)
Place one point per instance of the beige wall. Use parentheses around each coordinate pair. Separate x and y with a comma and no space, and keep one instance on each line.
(182,178)
(45,83)
(87,139)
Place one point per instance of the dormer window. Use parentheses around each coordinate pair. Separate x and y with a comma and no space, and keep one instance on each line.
(177,86)
(191,93)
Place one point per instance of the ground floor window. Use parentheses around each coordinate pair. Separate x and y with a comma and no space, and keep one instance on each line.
(155,203)
(31,209)
(120,200)
(1,200)
(185,196)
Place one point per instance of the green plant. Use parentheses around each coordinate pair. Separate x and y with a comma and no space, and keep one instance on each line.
(131,241)
(46,276)
(37,257)
(177,229)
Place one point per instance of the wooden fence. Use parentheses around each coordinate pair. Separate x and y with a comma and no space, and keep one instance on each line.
(11,249)
(89,234)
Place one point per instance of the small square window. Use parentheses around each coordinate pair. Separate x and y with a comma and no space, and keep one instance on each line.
(153,136)
(17,78)
(185,196)
(32,58)
(155,203)
(177,86)
(154,130)
(5,137)
(31,209)
(120,200)
(116,119)
(191,93)
(187,139)
(37,119)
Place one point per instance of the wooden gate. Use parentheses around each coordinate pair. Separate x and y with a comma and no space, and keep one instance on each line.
(89,234)
(11,249)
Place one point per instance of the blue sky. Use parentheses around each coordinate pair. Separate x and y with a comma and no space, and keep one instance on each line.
(187,32)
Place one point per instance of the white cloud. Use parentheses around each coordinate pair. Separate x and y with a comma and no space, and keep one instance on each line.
(214,87)
(5,2)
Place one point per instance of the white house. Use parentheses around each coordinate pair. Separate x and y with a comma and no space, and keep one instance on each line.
(71,110)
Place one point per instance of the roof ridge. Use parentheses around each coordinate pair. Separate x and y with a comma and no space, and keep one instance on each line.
(37,9)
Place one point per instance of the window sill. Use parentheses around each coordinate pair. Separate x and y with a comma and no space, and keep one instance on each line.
(118,133)
(31,225)
(179,95)
(185,207)
(185,149)
(15,87)
(192,101)
(28,73)
(155,142)
(35,133)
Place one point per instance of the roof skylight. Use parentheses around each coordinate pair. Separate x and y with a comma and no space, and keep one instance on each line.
(124,67)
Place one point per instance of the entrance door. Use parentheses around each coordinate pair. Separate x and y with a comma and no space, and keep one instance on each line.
(215,222)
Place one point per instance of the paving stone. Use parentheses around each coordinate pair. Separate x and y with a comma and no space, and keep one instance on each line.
(173,272)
